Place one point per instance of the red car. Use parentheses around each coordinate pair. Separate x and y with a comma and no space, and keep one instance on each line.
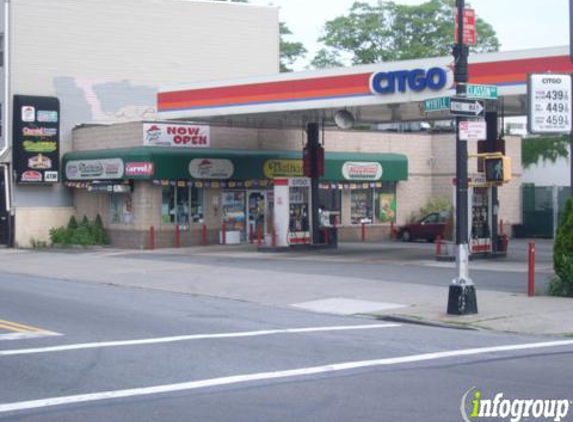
(429,228)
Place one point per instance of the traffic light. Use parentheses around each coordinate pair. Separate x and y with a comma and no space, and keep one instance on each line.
(497,169)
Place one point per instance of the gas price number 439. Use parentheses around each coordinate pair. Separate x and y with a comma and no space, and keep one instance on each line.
(549,103)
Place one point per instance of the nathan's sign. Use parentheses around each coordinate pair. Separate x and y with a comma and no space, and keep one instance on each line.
(104,169)
(282,168)
(176,135)
(362,171)
(36,139)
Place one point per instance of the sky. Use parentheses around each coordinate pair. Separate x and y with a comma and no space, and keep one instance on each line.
(519,24)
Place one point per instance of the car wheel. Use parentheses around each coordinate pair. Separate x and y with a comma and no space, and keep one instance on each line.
(406,236)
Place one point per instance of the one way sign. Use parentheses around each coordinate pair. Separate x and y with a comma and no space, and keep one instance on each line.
(465,107)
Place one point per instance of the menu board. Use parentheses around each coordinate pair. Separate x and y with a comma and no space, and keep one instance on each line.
(36,139)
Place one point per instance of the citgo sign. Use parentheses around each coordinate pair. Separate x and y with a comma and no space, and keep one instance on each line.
(416,80)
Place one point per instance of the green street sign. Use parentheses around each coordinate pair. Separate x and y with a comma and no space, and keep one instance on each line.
(437,104)
(485,92)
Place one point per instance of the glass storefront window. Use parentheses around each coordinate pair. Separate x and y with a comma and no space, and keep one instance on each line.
(234,210)
(374,205)
(181,204)
(361,202)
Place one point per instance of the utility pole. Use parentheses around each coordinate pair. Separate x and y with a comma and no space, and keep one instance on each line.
(462,295)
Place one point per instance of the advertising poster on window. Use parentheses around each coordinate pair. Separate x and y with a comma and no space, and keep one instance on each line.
(36,139)
(387,210)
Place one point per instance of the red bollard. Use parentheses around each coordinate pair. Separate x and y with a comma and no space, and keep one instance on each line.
(438,246)
(326,237)
(152,237)
(223,234)
(363,232)
(204,237)
(531,281)
(274,237)
(259,236)
(392,232)
(177,236)
(251,234)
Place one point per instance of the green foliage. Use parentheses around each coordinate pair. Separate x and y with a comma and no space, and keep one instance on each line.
(562,284)
(83,234)
(543,148)
(437,204)
(72,224)
(290,51)
(326,58)
(390,32)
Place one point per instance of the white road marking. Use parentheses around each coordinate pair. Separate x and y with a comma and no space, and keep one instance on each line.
(314,370)
(25,336)
(191,337)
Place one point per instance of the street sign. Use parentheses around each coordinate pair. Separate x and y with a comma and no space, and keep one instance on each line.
(486,92)
(437,104)
(469,26)
(549,96)
(465,107)
(475,130)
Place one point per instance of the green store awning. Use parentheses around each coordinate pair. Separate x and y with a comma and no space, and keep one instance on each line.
(158,163)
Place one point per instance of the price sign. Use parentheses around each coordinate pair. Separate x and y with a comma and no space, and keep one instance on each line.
(549,96)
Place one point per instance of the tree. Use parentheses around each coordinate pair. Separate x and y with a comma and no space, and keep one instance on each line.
(392,32)
(326,58)
(562,284)
(290,51)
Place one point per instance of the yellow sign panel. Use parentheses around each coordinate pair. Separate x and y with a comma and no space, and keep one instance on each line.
(282,168)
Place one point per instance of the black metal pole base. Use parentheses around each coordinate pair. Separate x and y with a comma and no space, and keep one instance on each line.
(462,300)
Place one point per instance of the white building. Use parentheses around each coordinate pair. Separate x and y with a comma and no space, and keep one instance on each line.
(104,61)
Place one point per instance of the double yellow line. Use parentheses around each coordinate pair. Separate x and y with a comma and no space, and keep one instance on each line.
(21,328)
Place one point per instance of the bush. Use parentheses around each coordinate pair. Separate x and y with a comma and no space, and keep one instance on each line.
(72,224)
(84,233)
(562,284)
(438,204)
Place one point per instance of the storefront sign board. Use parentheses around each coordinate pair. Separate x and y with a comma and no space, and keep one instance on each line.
(36,139)
(362,171)
(102,169)
(211,168)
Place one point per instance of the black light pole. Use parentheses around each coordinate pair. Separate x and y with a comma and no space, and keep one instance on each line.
(313,144)
(462,295)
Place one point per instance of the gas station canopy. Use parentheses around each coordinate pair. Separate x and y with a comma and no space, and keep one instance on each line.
(378,93)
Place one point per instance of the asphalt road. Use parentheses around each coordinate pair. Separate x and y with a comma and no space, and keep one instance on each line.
(228,366)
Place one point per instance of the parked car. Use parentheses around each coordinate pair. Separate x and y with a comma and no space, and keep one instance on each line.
(428,228)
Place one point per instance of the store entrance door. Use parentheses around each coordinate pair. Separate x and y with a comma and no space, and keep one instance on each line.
(256,214)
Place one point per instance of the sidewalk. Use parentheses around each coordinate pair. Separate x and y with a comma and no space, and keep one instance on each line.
(175,271)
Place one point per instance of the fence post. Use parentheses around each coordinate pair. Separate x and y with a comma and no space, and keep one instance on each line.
(531,281)
(151,237)
(204,236)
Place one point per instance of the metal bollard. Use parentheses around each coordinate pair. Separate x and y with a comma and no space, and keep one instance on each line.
(223,234)
(326,237)
(531,280)
(438,246)
(274,237)
(204,236)
(177,236)
(251,234)
(363,232)
(151,237)
(259,236)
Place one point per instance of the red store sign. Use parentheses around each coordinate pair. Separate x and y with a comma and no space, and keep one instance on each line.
(139,169)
